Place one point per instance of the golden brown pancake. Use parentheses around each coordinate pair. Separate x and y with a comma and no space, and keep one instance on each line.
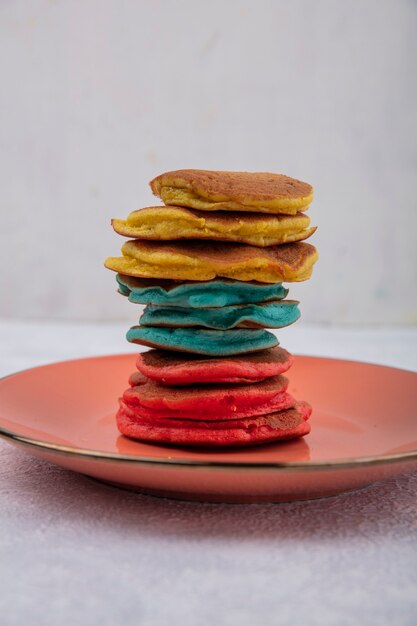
(171,223)
(204,260)
(236,191)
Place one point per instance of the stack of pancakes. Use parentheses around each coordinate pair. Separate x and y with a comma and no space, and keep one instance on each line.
(209,266)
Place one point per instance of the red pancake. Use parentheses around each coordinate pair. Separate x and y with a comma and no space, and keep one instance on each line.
(280,425)
(175,369)
(280,401)
(218,398)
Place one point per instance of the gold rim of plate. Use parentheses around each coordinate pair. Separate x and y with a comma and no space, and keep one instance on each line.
(149,460)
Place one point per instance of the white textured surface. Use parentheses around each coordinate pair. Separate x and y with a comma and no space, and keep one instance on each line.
(77,552)
(97,97)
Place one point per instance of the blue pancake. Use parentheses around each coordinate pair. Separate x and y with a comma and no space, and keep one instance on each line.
(268,315)
(201,341)
(212,293)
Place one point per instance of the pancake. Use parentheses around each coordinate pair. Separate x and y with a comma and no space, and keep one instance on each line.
(213,293)
(170,223)
(280,425)
(268,315)
(202,341)
(204,260)
(280,402)
(172,368)
(237,191)
(220,399)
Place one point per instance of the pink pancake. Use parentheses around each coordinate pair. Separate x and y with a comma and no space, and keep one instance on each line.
(175,369)
(280,425)
(279,402)
(221,398)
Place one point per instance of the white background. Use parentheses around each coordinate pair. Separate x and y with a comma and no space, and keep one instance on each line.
(99,96)
(96,98)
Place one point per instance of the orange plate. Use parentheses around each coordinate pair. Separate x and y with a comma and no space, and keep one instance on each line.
(364,428)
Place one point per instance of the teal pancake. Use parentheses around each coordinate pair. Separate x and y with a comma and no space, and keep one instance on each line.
(267,315)
(212,293)
(201,341)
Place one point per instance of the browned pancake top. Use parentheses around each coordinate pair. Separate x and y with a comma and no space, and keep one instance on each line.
(164,358)
(147,389)
(234,185)
(135,282)
(291,254)
(231,217)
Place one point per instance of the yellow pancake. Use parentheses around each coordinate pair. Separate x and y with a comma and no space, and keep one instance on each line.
(233,191)
(205,260)
(170,223)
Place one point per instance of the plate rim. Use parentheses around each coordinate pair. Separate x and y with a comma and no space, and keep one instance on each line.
(87,453)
